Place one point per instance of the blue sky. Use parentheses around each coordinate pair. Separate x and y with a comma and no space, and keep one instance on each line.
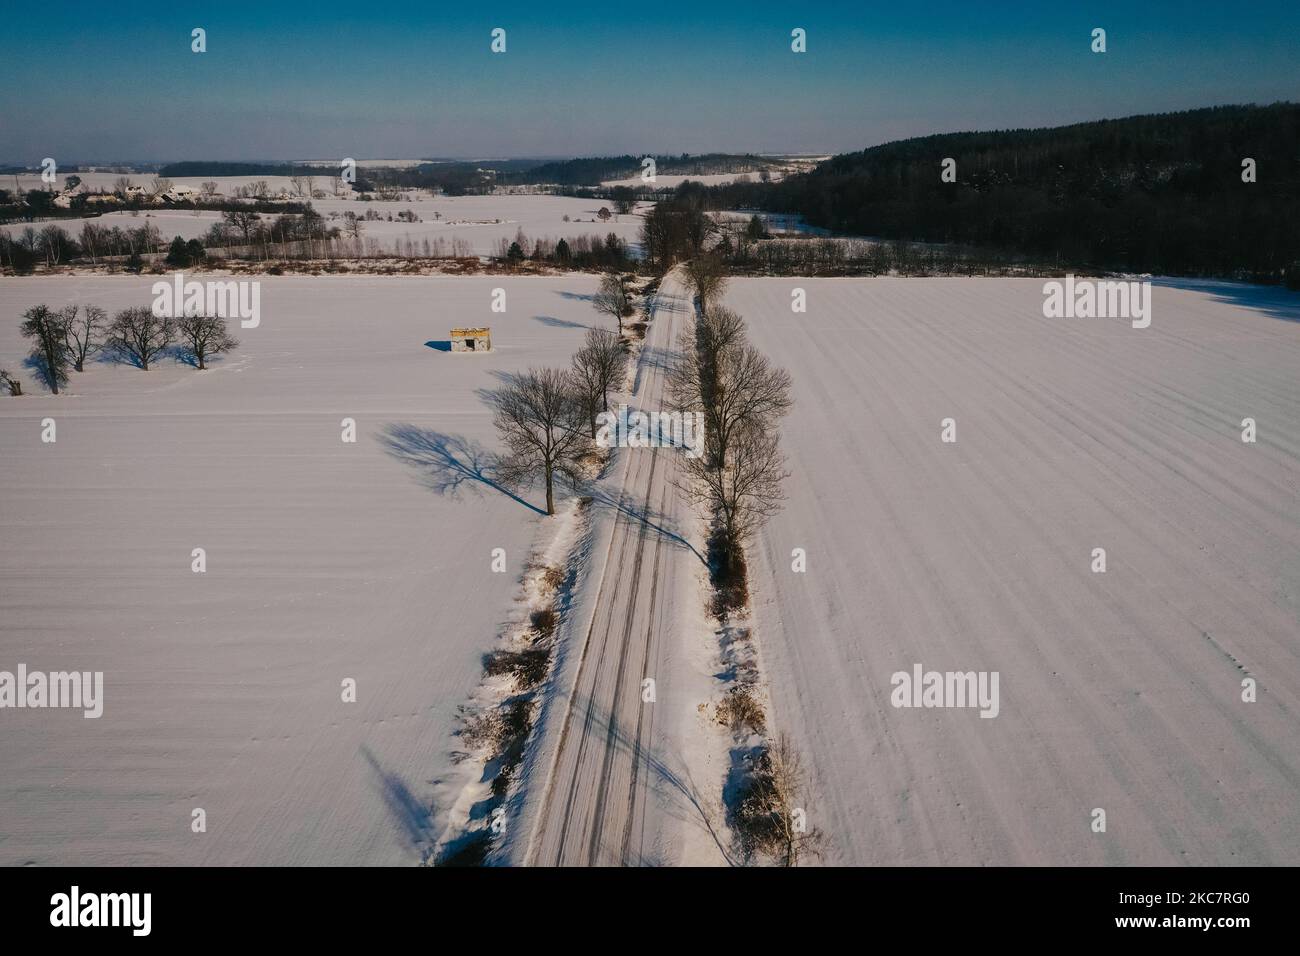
(286,80)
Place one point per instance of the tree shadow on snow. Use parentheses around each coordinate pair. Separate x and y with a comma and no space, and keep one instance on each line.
(414,817)
(446,464)
(182,355)
(665,774)
(35,363)
(1275,301)
(555,323)
(440,345)
(650,517)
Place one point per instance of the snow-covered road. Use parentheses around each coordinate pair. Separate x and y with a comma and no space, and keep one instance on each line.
(610,785)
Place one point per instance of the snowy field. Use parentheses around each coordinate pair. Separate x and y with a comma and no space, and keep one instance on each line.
(1119,690)
(325,561)
(480,221)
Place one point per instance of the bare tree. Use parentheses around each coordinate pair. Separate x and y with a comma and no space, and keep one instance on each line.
(743,398)
(596,366)
(352,225)
(159,185)
(245,220)
(84,331)
(694,384)
(121,184)
(771,814)
(209,189)
(92,238)
(55,243)
(747,392)
(138,336)
(539,416)
(612,298)
(47,329)
(743,494)
(205,336)
(708,279)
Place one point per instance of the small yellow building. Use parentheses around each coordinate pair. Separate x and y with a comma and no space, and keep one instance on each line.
(471,340)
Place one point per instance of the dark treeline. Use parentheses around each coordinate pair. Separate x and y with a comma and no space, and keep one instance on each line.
(1161,193)
(453,179)
(205,168)
(592,171)
(460,178)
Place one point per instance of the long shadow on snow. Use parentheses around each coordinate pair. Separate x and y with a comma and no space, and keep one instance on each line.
(555,323)
(1275,301)
(650,517)
(690,803)
(446,463)
(414,817)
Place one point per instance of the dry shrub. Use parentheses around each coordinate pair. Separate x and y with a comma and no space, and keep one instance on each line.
(593,460)
(552,578)
(527,667)
(730,579)
(544,622)
(767,816)
(516,720)
(740,709)
(484,730)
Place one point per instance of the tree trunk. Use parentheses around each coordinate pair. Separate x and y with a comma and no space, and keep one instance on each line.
(550,490)
(50,367)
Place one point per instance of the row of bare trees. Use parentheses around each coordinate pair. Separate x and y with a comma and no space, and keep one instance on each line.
(55,246)
(743,397)
(738,479)
(64,339)
(547,417)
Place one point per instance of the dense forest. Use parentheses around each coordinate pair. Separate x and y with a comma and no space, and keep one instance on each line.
(1161,193)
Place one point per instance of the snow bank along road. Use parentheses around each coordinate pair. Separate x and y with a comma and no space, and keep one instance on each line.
(603,802)
(1119,691)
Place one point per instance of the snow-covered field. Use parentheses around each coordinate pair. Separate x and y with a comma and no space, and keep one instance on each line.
(1119,690)
(480,221)
(325,561)
(370,561)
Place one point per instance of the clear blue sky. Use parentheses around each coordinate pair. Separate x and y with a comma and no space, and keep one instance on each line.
(288,80)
